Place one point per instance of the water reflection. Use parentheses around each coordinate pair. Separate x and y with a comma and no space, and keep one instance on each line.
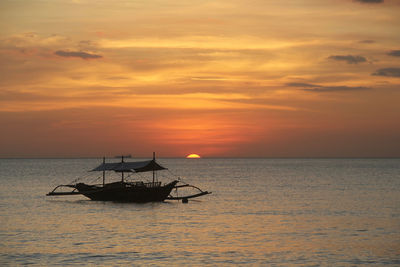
(262,212)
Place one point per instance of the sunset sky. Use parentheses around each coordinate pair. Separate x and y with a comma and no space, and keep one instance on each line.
(221,78)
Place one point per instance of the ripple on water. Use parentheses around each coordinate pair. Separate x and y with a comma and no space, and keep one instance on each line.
(262,212)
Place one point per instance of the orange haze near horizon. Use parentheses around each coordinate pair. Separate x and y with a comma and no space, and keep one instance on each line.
(222,78)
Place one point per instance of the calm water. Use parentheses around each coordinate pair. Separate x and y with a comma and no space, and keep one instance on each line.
(274,212)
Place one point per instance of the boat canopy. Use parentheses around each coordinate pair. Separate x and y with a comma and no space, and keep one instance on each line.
(138,166)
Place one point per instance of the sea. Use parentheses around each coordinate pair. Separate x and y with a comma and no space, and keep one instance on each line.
(262,212)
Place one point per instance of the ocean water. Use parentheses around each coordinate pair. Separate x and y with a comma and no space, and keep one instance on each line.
(268,212)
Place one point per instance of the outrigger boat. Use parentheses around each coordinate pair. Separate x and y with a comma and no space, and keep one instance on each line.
(126,191)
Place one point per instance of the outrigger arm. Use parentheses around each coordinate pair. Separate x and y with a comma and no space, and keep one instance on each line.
(73,192)
(183,198)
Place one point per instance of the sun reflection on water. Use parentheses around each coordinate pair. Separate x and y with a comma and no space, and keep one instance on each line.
(261,212)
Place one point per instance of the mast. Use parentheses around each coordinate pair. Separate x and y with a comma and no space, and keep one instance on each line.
(122,160)
(154,159)
(104,171)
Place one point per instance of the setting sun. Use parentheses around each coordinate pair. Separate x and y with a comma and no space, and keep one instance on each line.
(193,156)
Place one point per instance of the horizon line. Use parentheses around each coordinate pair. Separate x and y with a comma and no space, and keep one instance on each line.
(219,157)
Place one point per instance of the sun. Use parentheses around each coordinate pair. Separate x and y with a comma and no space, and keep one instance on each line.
(193,156)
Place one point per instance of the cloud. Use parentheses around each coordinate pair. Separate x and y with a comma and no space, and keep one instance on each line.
(32,39)
(302,85)
(209,78)
(320,88)
(79,54)
(336,88)
(395,53)
(367,41)
(31,43)
(349,59)
(370,1)
(387,72)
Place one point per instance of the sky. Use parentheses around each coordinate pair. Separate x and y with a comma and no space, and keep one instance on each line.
(221,78)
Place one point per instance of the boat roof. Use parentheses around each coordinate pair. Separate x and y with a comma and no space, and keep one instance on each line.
(138,166)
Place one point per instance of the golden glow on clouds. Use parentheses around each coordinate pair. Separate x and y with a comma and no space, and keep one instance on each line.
(220,77)
(205,42)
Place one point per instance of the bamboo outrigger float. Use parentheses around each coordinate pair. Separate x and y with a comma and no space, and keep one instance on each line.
(124,191)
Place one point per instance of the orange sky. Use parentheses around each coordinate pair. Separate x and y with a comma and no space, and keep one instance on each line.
(221,78)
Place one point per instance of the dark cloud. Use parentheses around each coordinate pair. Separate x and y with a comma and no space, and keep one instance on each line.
(367,41)
(350,59)
(370,1)
(395,53)
(308,85)
(336,88)
(319,88)
(79,54)
(387,72)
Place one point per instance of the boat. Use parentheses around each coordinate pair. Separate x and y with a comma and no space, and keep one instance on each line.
(129,191)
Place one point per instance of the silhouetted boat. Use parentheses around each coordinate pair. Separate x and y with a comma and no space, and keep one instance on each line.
(124,191)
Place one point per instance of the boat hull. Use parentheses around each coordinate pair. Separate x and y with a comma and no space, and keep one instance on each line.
(123,192)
